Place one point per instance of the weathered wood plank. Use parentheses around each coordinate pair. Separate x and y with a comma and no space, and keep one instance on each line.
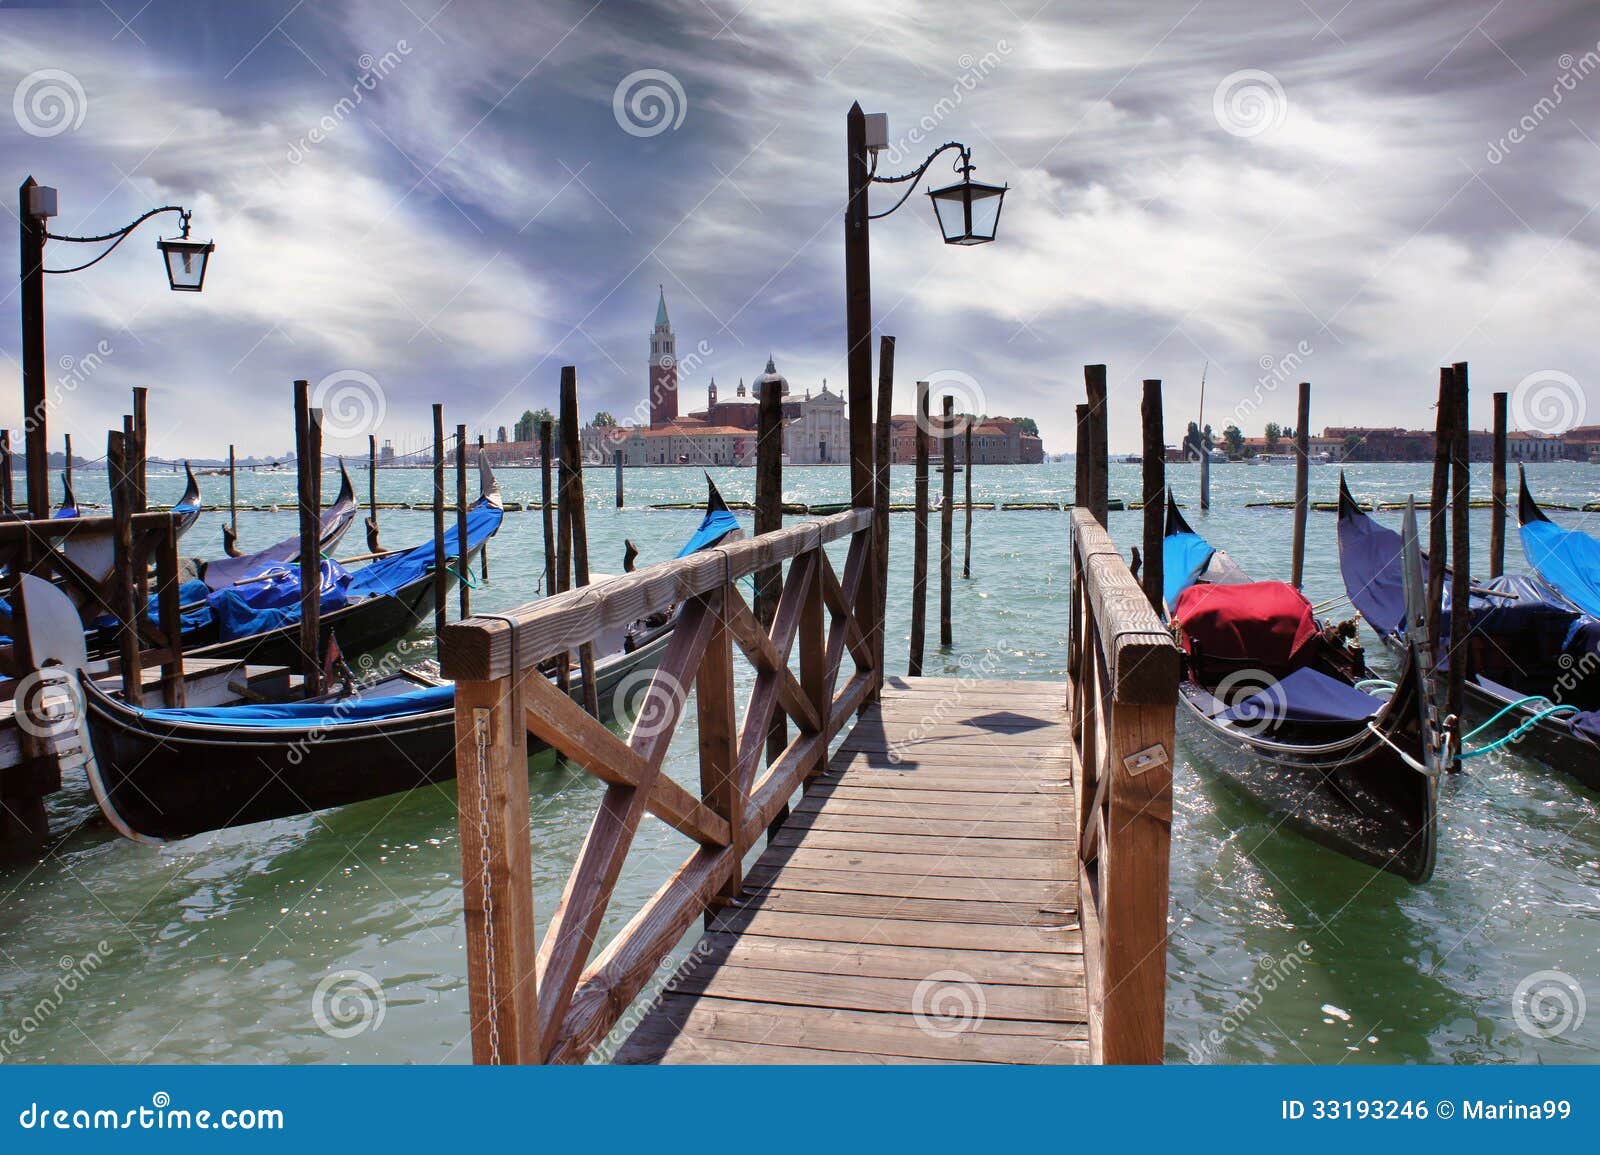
(757,921)
(953,862)
(879,960)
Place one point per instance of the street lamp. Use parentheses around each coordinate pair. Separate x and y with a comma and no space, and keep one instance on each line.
(968,213)
(185,262)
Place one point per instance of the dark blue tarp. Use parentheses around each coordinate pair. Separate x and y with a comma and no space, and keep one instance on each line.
(1183,557)
(1588,725)
(716,525)
(65,511)
(1567,559)
(389,574)
(191,595)
(1374,576)
(323,715)
(274,601)
(1307,695)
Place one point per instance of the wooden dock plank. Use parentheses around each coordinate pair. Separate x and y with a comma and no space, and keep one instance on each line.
(919,905)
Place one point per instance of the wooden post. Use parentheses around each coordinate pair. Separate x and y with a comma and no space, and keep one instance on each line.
(66,467)
(173,691)
(35,403)
(718,739)
(769,518)
(577,524)
(497,869)
(1083,449)
(617,458)
(463,551)
(966,549)
(947,518)
(311,551)
(141,447)
(372,494)
(483,551)
(858,342)
(7,502)
(919,557)
(1437,509)
(441,593)
(1155,494)
(1461,554)
(880,502)
(122,568)
(1205,477)
(233,496)
(1497,523)
(545,450)
(1302,485)
(1098,476)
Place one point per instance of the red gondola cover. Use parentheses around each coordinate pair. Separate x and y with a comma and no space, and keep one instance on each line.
(1266,625)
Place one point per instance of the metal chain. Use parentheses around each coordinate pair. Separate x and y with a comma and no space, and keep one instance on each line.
(480,725)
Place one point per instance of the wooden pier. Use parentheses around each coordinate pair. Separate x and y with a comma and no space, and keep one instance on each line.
(971,870)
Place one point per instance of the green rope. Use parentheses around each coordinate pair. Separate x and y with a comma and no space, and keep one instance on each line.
(449,567)
(1528,701)
(1500,743)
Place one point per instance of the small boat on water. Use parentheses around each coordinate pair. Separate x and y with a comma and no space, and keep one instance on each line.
(1282,708)
(1528,676)
(236,567)
(1567,559)
(162,774)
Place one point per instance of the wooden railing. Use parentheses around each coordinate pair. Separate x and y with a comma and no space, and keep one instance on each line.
(555,1000)
(1123,675)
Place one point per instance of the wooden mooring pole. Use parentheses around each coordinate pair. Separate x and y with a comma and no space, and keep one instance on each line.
(880,497)
(7,502)
(1497,522)
(122,591)
(769,519)
(947,517)
(372,495)
(1155,493)
(233,500)
(483,552)
(1081,453)
(1098,476)
(919,548)
(545,448)
(66,467)
(577,533)
(1438,546)
(441,594)
(1461,554)
(966,548)
(311,547)
(1302,485)
(463,547)
(617,460)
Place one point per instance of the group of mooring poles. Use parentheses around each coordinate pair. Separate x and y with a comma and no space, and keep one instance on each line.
(953,433)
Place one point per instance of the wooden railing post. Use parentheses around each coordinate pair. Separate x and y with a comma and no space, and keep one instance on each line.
(1123,677)
(719,754)
(497,870)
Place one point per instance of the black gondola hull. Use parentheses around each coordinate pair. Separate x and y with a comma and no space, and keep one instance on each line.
(161,780)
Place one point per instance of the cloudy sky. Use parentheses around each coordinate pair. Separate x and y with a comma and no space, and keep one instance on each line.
(1348,194)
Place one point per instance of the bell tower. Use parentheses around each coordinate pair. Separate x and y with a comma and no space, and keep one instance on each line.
(663,368)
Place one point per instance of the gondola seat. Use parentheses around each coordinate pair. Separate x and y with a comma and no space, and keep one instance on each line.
(1307,695)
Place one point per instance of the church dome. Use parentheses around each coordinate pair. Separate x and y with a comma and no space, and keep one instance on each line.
(770,376)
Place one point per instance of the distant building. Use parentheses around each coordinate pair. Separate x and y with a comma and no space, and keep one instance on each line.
(1521,446)
(995,441)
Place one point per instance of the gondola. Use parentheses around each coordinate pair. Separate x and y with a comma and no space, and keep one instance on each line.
(1566,559)
(365,608)
(1278,710)
(1527,672)
(161,774)
(227,571)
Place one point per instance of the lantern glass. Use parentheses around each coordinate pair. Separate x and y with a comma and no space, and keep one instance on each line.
(186,263)
(968,211)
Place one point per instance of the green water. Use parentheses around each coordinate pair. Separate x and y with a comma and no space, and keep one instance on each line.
(214,948)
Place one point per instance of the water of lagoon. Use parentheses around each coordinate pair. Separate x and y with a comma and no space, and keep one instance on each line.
(1281,951)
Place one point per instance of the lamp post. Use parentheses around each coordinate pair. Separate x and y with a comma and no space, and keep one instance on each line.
(185,262)
(968,213)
